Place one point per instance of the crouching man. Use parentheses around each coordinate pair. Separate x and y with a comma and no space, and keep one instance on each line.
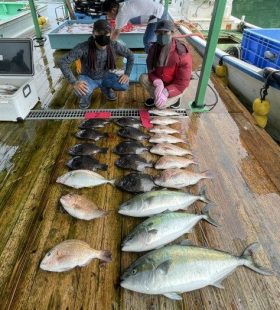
(169,68)
(97,56)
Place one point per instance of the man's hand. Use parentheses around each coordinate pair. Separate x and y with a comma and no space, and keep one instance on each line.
(81,88)
(124,79)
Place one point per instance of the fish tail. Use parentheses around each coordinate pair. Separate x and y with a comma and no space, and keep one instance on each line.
(249,262)
(208,174)
(203,196)
(103,150)
(105,255)
(112,182)
(103,167)
(208,218)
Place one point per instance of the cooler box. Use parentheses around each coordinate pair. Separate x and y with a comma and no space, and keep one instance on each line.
(17,70)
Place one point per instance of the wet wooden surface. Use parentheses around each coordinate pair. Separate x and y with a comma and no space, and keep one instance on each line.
(245,189)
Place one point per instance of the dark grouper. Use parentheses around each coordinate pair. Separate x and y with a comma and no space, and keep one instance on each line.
(136,183)
(132,133)
(130,147)
(133,161)
(85,162)
(128,121)
(90,134)
(176,269)
(86,149)
(94,123)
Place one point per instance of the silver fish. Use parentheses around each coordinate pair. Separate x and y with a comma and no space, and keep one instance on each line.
(171,162)
(179,178)
(132,133)
(80,207)
(83,178)
(165,138)
(176,269)
(163,129)
(155,202)
(161,229)
(130,147)
(70,254)
(169,149)
(136,183)
(164,120)
(7,89)
(163,112)
(133,161)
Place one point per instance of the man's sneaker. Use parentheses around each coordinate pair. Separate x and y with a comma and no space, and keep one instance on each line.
(85,102)
(176,105)
(150,103)
(109,93)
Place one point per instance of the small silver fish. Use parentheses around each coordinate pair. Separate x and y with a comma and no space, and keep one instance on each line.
(164,120)
(70,254)
(179,178)
(163,129)
(83,178)
(163,112)
(169,149)
(171,162)
(165,138)
(80,207)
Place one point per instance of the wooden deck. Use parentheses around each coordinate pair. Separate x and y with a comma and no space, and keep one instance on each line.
(246,189)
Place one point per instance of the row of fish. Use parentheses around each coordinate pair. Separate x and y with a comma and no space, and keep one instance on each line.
(73,253)
(160,271)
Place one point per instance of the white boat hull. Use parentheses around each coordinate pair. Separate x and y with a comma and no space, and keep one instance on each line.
(20,24)
(246,80)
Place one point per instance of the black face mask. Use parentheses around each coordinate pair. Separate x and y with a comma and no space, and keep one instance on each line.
(102,39)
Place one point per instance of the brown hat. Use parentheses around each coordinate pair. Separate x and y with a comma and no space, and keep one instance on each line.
(102,25)
(165,24)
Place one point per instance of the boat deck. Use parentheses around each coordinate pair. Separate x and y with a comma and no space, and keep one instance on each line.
(246,187)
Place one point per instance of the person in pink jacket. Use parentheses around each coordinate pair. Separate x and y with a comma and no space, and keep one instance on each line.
(169,66)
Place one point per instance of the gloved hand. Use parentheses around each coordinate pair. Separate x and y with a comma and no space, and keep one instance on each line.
(159,86)
(160,101)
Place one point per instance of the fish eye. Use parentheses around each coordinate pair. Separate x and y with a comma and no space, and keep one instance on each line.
(48,254)
(134,271)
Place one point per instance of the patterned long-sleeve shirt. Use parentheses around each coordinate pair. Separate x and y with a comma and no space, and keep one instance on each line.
(81,52)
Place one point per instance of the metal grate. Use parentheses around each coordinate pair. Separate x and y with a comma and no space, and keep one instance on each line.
(79,114)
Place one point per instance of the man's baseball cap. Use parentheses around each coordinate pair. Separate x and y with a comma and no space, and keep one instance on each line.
(166,25)
(102,25)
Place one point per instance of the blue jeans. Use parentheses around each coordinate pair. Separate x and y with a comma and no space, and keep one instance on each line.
(109,81)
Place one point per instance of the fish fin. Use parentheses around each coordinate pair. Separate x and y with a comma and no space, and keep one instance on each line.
(208,174)
(250,263)
(186,242)
(208,218)
(103,150)
(218,284)
(164,267)
(153,231)
(103,167)
(173,296)
(202,195)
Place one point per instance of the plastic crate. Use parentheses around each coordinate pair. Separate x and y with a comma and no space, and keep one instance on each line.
(139,67)
(261,47)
